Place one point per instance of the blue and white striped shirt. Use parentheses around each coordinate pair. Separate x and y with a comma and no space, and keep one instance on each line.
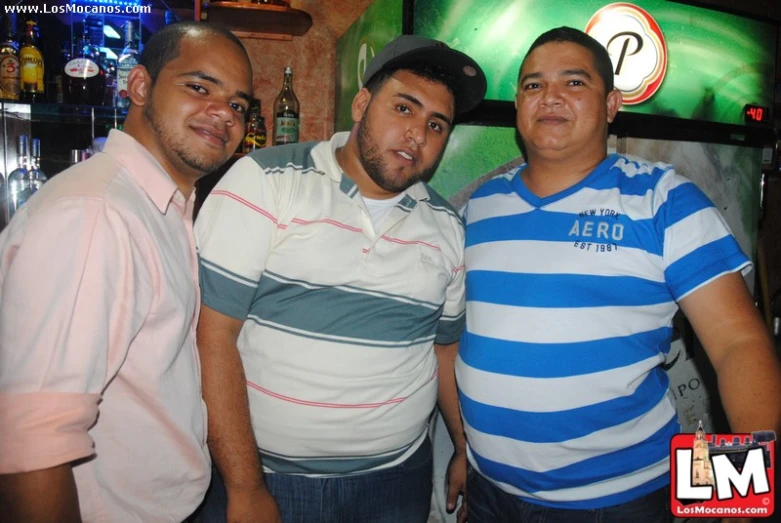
(570,300)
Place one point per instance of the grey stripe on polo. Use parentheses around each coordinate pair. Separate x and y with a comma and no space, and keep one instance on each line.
(449,331)
(341,339)
(274,159)
(347,312)
(225,291)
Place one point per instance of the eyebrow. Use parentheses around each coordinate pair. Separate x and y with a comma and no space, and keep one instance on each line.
(565,72)
(209,78)
(417,103)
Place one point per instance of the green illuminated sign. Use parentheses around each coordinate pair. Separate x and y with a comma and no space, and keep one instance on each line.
(377,26)
(716,62)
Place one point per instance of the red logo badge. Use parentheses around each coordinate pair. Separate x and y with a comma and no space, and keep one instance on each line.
(636,46)
(722,475)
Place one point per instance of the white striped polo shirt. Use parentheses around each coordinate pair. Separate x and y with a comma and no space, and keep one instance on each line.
(340,318)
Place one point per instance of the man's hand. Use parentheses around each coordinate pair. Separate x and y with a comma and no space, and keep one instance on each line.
(456,485)
(256,506)
(40,496)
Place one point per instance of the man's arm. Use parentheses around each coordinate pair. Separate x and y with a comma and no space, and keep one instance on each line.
(231,438)
(741,351)
(447,401)
(41,496)
(63,334)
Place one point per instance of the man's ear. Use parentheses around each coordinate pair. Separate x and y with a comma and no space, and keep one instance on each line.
(360,103)
(614,101)
(139,86)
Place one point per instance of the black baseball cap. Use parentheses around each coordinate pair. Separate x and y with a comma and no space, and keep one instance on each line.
(409,50)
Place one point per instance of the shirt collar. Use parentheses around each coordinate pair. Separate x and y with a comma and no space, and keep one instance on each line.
(146,171)
(418,192)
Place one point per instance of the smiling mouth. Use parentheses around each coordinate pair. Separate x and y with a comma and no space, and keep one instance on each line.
(551,119)
(406,156)
(212,136)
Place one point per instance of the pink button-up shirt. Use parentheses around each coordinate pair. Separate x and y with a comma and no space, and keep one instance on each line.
(99,301)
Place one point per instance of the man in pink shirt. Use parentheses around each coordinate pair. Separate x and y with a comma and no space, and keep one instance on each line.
(100,412)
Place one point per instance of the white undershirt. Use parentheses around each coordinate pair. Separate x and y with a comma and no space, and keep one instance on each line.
(379,209)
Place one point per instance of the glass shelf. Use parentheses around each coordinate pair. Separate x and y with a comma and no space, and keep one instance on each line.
(63,113)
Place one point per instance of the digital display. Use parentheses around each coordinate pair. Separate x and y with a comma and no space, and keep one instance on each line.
(755,113)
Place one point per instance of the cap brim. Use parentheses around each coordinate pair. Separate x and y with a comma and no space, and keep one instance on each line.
(471,80)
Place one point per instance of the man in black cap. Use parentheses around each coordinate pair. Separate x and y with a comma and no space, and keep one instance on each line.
(333,302)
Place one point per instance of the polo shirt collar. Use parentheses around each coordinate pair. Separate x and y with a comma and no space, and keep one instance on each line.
(413,195)
(144,169)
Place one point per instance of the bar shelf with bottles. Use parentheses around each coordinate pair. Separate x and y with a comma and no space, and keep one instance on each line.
(81,69)
(60,127)
(69,89)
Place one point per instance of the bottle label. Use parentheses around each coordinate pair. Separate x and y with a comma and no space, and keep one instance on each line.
(123,71)
(254,139)
(31,62)
(10,77)
(81,68)
(286,130)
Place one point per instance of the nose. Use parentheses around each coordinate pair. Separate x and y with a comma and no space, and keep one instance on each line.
(551,95)
(222,110)
(417,132)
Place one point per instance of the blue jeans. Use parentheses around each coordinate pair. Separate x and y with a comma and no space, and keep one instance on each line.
(490,504)
(400,494)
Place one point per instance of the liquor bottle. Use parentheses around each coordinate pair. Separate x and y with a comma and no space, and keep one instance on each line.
(64,58)
(10,73)
(260,132)
(31,61)
(84,81)
(255,129)
(18,181)
(127,60)
(286,112)
(109,68)
(35,175)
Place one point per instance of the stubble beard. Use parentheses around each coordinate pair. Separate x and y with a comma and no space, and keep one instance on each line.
(199,163)
(372,163)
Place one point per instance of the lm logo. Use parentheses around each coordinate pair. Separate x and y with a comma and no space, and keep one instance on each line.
(722,474)
(636,46)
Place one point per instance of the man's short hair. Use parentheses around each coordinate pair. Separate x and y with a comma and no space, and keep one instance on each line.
(431,72)
(602,60)
(433,60)
(163,46)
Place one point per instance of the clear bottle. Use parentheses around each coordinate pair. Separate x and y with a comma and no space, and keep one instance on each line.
(286,112)
(10,69)
(31,61)
(18,179)
(35,175)
(127,60)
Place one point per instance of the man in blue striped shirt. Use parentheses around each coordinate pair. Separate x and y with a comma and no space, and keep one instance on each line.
(576,263)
